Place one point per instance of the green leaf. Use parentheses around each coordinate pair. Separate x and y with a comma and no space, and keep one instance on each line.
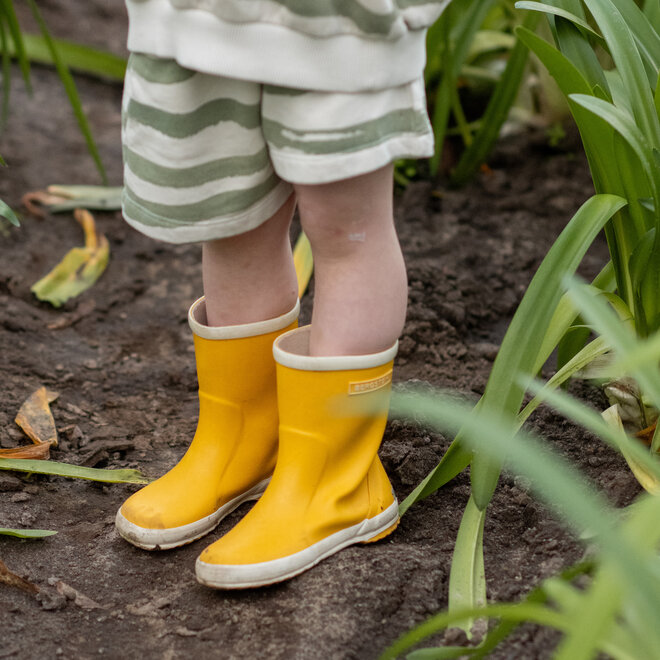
(643,274)
(553,478)
(522,341)
(70,88)
(455,460)
(123,476)
(78,57)
(467,580)
(565,73)
(572,43)
(579,361)
(497,111)
(9,15)
(557,11)
(646,37)
(594,422)
(629,65)
(565,315)
(519,612)
(6,212)
(626,127)
(619,335)
(573,341)
(27,533)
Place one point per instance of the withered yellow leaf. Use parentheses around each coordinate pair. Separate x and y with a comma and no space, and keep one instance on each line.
(36,420)
(80,267)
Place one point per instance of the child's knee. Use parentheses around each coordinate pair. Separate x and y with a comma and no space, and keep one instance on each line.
(340,216)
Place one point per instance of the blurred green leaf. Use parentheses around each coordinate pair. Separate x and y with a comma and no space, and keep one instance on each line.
(26,533)
(70,88)
(123,476)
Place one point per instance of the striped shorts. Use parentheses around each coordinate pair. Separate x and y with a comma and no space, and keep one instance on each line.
(208,157)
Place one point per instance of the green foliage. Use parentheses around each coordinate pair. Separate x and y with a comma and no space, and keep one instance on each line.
(63,55)
(612,612)
(617,115)
(606,63)
(475,67)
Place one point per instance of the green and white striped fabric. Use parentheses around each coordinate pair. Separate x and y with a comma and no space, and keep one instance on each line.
(323,45)
(208,157)
(388,19)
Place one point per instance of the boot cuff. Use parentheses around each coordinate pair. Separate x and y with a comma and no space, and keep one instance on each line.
(197,322)
(292,350)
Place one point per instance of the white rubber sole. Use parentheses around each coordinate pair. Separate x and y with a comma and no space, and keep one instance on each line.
(244,576)
(166,539)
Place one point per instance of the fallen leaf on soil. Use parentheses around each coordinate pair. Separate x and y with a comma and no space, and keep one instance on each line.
(13,580)
(82,601)
(40,452)
(58,198)
(27,533)
(35,418)
(79,269)
(33,201)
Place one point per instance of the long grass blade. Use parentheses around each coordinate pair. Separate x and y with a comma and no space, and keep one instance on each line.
(76,57)
(6,212)
(467,579)
(619,335)
(71,91)
(554,479)
(497,110)
(629,65)
(122,476)
(558,11)
(26,533)
(520,346)
(7,10)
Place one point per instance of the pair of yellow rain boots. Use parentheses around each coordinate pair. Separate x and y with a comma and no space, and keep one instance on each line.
(298,433)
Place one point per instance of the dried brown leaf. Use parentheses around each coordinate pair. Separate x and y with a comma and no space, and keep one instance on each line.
(13,580)
(35,418)
(35,200)
(646,435)
(40,452)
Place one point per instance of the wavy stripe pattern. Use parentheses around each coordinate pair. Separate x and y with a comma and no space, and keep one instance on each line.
(382,19)
(199,149)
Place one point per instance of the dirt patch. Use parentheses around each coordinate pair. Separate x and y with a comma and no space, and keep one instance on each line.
(124,369)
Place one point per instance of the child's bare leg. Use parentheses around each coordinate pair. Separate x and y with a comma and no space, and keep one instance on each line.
(251,277)
(361,288)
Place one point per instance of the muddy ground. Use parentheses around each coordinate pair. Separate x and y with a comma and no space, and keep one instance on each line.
(123,366)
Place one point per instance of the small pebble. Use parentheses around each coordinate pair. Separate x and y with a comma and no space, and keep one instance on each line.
(20,497)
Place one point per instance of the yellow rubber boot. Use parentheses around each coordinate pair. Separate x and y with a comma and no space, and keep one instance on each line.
(329,489)
(234,450)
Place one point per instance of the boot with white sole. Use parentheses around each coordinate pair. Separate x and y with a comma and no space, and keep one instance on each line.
(234,450)
(329,489)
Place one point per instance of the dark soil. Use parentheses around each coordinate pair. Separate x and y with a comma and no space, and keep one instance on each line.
(124,368)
